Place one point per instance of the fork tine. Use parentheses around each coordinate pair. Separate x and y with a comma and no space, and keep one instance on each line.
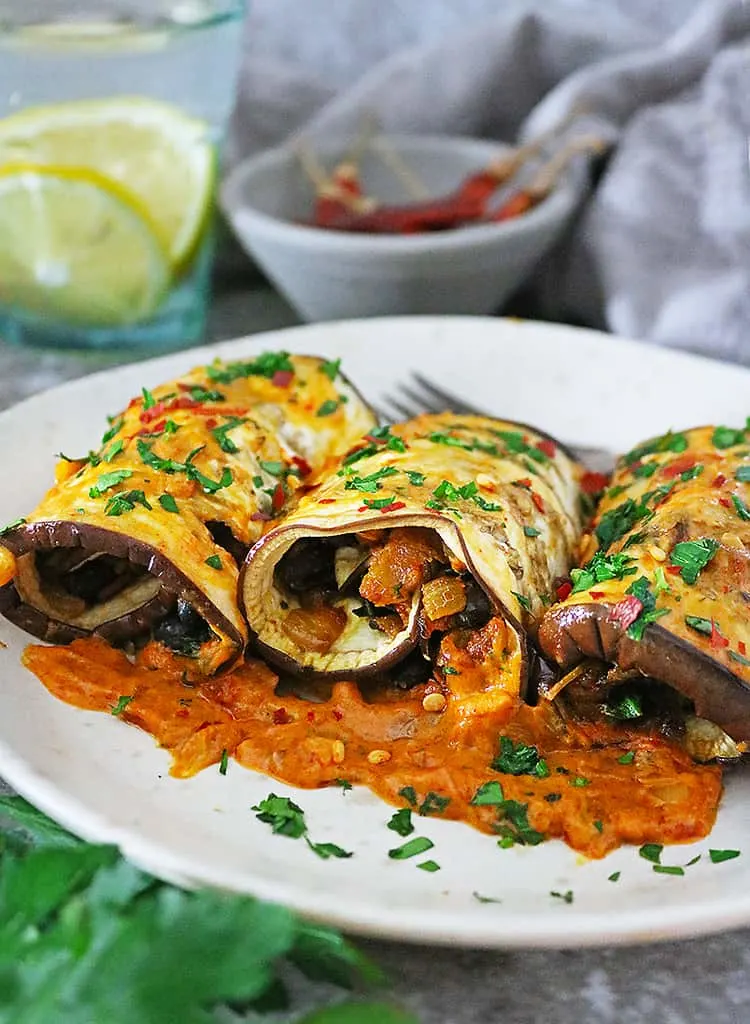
(445,398)
(404,411)
(420,401)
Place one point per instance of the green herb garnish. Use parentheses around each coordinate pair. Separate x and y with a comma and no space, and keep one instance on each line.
(118,504)
(601,568)
(214,561)
(401,822)
(109,480)
(699,624)
(221,434)
(288,819)
(651,852)
(566,897)
(330,368)
(370,483)
(224,763)
(718,856)
(519,759)
(168,503)
(726,437)
(266,365)
(741,508)
(121,704)
(649,613)
(693,556)
(412,848)
(618,521)
(430,866)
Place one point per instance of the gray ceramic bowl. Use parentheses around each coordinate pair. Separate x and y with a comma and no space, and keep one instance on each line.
(329,275)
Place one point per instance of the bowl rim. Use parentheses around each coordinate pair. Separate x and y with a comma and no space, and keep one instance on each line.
(556,208)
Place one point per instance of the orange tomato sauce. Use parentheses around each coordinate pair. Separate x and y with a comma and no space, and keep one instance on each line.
(386,741)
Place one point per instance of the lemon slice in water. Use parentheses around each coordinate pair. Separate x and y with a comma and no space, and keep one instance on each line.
(75,248)
(151,149)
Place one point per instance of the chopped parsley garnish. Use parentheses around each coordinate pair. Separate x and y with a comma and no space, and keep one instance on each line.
(627,758)
(114,429)
(485,899)
(112,452)
(121,704)
(433,803)
(516,445)
(662,587)
(214,561)
(566,897)
(601,568)
(126,502)
(266,365)
(329,407)
(109,480)
(743,474)
(12,526)
(272,468)
(401,822)
(221,433)
(741,508)
(288,819)
(726,437)
(475,445)
(579,782)
(519,759)
(645,470)
(330,368)
(717,856)
(370,483)
(429,865)
(148,399)
(699,624)
(199,394)
(618,521)
(693,556)
(625,708)
(693,861)
(614,877)
(415,479)
(187,467)
(409,794)
(523,601)
(412,848)
(379,438)
(668,869)
(168,503)
(668,442)
(651,852)
(343,784)
(378,503)
(531,531)
(599,826)
(641,589)
(224,763)
(489,794)
(692,473)
(739,658)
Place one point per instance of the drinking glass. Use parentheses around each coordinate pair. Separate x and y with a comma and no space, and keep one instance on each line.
(112,115)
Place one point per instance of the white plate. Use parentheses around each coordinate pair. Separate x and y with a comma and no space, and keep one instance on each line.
(108,782)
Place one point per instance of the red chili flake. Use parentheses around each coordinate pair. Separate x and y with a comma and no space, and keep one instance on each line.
(302,465)
(625,612)
(564,590)
(678,466)
(741,647)
(674,570)
(211,423)
(548,447)
(277,500)
(281,717)
(596,594)
(725,502)
(260,517)
(338,715)
(182,713)
(282,378)
(393,507)
(326,501)
(537,499)
(592,483)
(363,508)
(132,402)
(311,716)
(717,640)
(523,482)
(719,480)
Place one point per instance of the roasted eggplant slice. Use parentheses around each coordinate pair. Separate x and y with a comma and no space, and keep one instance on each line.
(664,585)
(444,534)
(143,537)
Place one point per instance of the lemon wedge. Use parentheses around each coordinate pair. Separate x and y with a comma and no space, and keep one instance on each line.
(154,151)
(74,247)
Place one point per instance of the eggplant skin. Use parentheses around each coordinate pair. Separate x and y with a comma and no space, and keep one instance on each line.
(570,633)
(33,537)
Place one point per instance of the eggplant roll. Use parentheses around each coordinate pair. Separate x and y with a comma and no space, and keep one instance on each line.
(663,592)
(143,538)
(435,542)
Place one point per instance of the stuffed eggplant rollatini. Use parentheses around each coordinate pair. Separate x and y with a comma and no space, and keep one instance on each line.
(142,538)
(663,594)
(430,553)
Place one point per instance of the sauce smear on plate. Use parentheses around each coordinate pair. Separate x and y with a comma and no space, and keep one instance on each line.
(523,775)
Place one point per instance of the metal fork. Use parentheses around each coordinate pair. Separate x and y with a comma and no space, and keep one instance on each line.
(421,395)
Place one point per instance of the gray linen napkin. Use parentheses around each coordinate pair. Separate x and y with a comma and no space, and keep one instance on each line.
(661,248)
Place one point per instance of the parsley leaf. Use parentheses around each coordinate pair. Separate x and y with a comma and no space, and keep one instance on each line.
(199,394)
(121,704)
(668,442)
(626,707)
(371,483)
(433,803)
(649,612)
(118,504)
(415,479)
(741,508)
(266,365)
(519,759)
(523,601)
(168,503)
(699,624)
(566,897)
(693,556)
(531,531)
(651,852)
(412,848)
(329,407)
(601,568)
(109,480)
(401,822)
(288,819)
(331,368)
(726,437)
(214,561)
(717,856)
(743,474)
(220,434)
(618,521)
(12,526)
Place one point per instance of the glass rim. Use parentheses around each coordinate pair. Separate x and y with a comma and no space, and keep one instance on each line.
(11,27)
